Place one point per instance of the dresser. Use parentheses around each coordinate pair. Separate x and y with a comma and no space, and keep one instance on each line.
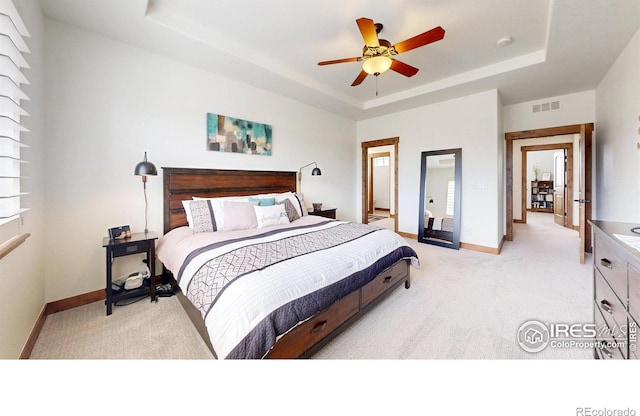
(616,289)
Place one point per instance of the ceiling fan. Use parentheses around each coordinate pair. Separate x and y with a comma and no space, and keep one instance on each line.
(377,53)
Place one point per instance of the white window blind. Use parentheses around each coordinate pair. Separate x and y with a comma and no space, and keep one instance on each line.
(12,62)
(451,187)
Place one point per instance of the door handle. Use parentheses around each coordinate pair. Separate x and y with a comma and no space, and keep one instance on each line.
(582,201)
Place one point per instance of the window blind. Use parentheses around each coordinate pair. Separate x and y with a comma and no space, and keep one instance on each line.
(451,187)
(12,62)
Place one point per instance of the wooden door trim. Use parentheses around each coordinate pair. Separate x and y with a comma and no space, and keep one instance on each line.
(394,141)
(568,147)
(533,134)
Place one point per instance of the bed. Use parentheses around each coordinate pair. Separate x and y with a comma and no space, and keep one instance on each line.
(438,227)
(282,289)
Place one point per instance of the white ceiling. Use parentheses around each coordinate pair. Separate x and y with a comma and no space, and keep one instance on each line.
(559,46)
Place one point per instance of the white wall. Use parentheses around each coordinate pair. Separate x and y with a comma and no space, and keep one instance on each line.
(470,123)
(575,108)
(617,125)
(23,295)
(109,102)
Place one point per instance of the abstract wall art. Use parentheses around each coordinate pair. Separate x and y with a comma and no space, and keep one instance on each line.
(233,135)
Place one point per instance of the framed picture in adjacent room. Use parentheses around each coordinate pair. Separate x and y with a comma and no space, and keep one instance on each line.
(546,176)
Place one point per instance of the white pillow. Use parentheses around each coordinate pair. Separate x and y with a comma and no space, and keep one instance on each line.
(270,215)
(239,215)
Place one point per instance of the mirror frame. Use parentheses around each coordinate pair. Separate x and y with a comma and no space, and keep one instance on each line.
(455,243)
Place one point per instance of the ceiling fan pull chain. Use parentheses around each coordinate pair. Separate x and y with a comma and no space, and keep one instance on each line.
(376,85)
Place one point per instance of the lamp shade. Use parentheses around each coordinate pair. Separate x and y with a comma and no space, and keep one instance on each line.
(316,172)
(145,168)
(376,65)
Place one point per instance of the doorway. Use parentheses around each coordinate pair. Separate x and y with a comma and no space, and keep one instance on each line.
(560,171)
(585,132)
(366,178)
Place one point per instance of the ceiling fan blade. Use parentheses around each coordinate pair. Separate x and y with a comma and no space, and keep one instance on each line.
(339,61)
(360,78)
(368,31)
(433,35)
(402,68)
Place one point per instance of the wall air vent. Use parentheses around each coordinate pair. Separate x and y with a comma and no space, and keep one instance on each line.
(553,105)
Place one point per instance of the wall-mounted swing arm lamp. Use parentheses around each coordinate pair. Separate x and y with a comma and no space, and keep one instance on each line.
(144,169)
(315,172)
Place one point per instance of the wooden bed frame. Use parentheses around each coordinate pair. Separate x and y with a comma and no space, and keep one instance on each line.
(305,339)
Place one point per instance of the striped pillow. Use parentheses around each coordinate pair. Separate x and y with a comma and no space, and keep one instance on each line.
(290,209)
(202,216)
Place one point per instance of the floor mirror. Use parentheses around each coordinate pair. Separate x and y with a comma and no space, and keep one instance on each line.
(440,182)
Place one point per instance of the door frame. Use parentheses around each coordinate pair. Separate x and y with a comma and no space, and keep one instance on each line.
(568,147)
(585,131)
(394,141)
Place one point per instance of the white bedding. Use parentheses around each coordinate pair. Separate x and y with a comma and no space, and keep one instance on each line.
(232,313)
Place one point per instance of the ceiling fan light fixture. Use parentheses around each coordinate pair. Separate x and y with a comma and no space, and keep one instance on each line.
(376,65)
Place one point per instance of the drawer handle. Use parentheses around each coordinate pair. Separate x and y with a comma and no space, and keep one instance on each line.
(318,327)
(387,279)
(606,352)
(606,306)
(606,263)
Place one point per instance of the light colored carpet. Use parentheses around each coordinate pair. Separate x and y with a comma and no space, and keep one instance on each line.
(461,305)
(142,330)
(469,305)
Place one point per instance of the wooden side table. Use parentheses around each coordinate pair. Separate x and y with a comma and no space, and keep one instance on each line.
(138,243)
(325,212)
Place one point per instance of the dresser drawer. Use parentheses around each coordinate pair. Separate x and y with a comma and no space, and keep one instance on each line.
(604,339)
(612,309)
(612,266)
(384,282)
(307,334)
(131,248)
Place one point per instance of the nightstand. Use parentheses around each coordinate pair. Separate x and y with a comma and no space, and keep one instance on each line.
(325,212)
(138,243)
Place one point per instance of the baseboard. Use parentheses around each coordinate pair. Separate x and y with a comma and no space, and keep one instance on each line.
(75,301)
(483,249)
(408,235)
(33,337)
(467,246)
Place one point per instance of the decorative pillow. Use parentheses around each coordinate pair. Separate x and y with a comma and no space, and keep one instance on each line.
(218,208)
(239,215)
(303,207)
(202,218)
(271,215)
(263,202)
(290,210)
(294,201)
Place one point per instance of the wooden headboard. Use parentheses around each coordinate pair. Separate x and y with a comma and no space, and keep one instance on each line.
(181,184)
